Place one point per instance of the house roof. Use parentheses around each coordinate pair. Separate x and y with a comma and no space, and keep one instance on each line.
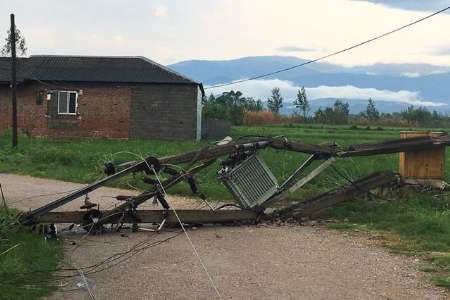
(124,69)
(5,69)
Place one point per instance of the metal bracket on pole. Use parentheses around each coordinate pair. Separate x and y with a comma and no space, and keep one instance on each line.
(301,182)
(299,170)
(312,175)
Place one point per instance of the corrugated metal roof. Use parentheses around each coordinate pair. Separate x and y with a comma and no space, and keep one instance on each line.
(91,69)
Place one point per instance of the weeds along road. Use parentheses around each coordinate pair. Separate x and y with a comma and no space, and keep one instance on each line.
(248,262)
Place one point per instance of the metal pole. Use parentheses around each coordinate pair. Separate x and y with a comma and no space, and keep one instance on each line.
(13,81)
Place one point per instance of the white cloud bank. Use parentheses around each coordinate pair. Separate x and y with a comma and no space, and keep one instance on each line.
(160,11)
(173,30)
(262,89)
(410,74)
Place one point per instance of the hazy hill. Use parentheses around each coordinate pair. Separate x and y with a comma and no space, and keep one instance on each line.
(431,82)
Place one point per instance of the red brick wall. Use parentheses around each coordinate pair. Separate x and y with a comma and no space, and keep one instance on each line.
(164,111)
(30,117)
(5,110)
(104,111)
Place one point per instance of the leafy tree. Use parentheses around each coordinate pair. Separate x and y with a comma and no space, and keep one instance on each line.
(341,112)
(253,105)
(417,116)
(230,106)
(20,44)
(319,116)
(259,105)
(275,102)
(338,114)
(412,116)
(302,103)
(371,111)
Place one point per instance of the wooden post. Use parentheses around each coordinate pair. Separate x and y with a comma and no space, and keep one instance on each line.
(12,39)
(423,166)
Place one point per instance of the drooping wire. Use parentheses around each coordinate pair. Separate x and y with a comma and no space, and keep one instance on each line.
(86,283)
(331,54)
(353,183)
(92,269)
(182,226)
(134,250)
(194,249)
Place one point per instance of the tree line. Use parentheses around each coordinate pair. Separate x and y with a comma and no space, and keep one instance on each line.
(234,107)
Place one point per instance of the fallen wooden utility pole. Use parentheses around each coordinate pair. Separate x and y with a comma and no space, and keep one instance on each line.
(306,209)
(189,157)
(395,146)
(189,216)
(245,175)
(316,205)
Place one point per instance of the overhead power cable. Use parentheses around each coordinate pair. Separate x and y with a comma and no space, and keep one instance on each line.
(333,53)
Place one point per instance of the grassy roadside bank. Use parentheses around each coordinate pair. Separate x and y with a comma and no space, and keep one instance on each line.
(416,223)
(25,255)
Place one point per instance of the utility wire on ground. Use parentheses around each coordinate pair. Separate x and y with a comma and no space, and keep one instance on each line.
(194,249)
(331,54)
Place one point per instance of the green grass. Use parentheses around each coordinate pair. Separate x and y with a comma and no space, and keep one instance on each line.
(80,160)
(420,221)
(32,254)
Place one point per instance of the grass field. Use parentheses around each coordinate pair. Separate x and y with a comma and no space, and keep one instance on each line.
(28,256)
(419,221)
(81,160)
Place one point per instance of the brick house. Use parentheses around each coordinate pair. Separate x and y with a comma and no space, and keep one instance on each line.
(114,97)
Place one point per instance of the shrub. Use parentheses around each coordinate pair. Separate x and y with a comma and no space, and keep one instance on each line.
(260,118)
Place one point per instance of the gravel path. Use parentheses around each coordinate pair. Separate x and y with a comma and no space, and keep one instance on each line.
(249,262)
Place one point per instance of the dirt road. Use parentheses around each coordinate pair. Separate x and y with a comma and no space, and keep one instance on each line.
(255,262)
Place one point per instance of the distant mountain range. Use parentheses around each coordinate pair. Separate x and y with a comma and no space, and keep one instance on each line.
(392,86)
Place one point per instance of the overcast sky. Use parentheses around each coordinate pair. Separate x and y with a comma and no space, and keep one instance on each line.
(175,30)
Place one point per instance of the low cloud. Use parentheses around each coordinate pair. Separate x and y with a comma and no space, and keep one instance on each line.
(410,74)
(442,51)
(160,11)
(261,89)
(294,49)
(425,5)
(118,38)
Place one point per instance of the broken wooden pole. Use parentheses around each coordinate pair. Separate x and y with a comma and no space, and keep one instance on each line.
(395,146)
(326,200)
(188,216)
(208,154)
(300,183)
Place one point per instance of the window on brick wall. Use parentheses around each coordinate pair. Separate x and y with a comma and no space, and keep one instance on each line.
(67,102)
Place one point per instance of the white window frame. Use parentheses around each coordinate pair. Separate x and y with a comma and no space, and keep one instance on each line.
(68,102)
